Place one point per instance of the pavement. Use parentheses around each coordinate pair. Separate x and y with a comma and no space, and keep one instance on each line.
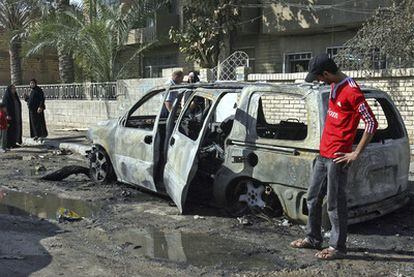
(71,139)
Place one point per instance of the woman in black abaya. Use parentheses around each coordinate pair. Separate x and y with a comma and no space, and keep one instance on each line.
(14,112)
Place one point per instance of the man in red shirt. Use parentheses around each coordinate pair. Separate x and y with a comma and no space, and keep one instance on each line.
(347,105)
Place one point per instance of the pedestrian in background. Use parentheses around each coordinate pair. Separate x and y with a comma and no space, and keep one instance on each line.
(3,128)
(193,78)
(36,105)
(176,79)
(14,111)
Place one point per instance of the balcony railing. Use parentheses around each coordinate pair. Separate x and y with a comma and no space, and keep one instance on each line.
(86,91)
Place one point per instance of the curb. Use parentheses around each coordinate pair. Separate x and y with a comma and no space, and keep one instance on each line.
(73,147)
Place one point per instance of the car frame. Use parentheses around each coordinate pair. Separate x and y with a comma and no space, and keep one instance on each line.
(243,168)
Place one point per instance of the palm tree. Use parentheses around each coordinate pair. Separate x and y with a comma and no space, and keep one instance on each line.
(66,63)
(16,16)
(96,38)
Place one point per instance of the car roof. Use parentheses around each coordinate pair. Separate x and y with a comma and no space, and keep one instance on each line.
(293,88)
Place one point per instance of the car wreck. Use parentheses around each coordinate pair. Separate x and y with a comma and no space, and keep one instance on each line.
(248,145)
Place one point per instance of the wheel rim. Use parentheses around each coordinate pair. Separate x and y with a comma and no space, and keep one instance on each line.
(99,165)
(253,195)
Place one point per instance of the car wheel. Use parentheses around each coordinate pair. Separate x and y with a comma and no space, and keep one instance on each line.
(100,167)
(249,195)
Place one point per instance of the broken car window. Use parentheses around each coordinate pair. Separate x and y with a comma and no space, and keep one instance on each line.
(194,117)
(144,116)
(282,117)
(389,127)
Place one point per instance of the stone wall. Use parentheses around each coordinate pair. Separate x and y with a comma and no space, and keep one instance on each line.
(398,83)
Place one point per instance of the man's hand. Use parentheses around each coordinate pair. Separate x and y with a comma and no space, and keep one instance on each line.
(346,158)
(8,117)
(39,110)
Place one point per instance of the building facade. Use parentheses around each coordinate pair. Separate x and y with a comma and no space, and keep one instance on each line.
(278,36)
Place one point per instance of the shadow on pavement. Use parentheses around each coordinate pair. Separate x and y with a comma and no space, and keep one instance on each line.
(21,252)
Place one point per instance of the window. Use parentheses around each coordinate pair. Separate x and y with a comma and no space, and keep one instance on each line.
(153,66)
(194,116)
(297,62)
(144,116)
(333,51)
(282,117)
(378,60)
(389,126)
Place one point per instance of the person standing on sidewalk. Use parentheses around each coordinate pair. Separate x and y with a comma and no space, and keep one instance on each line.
(347,105)
(3,128)
(14,111)
(36,104)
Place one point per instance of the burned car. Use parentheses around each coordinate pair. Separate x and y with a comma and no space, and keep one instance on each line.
(248,145)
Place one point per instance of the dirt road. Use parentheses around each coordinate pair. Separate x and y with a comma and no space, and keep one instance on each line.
(127,232)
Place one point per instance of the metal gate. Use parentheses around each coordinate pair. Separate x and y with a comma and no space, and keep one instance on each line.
(226,70)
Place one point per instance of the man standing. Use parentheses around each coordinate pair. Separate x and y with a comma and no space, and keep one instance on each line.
(176,79)
(36,105)
(347,105)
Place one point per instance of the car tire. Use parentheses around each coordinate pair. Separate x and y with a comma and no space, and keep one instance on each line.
(100,166)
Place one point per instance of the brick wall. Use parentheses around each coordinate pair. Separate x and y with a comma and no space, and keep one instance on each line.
(398,83)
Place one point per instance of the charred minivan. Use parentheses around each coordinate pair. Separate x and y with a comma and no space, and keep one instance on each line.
(249,145)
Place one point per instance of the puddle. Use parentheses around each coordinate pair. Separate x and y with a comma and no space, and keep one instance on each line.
(200,250)
(42,205)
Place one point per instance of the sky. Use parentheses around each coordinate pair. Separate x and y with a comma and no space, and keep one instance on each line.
(75,1)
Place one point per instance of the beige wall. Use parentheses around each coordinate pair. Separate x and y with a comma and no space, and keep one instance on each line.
(269,51)
(281,17)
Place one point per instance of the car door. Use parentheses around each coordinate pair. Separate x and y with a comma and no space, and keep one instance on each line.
(185,142)
(136,143)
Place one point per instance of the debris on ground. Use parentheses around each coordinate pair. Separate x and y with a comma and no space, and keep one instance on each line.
(63,214)
(61,152)
(40,168)
(66,172)
(285,223)
(244,221)
(199,217)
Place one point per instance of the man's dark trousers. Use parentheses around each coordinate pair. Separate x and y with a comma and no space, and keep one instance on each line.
(328,178)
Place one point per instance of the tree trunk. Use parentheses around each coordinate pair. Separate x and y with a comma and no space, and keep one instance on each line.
(66,64)
(66,67)
(15,62)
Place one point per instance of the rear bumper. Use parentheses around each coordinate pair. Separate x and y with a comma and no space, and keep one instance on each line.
(374,210)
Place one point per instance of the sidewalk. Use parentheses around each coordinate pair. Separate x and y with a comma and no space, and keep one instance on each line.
(70,139)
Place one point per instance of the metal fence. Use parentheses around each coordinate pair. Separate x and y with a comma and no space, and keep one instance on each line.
(85,91)
(226,70)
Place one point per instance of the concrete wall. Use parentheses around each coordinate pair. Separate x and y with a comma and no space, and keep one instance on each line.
(84,113)
(398,83)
